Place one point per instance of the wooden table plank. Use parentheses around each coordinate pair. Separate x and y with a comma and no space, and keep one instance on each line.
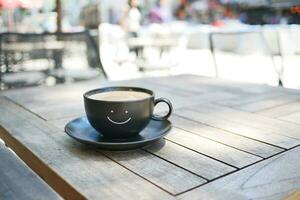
(222,125)
(293,117)
(226,123)
(73,170)
(253,96)
(192,161)
(250,119)
(225,137)
(226,154)
(196,163)
(60,110)
(201,84)
(36,96)
(282,110)
(160,172)
(66,102)
(20,182)
(53,104)
(255,103)
(249,98)
(268,103)
(273,178)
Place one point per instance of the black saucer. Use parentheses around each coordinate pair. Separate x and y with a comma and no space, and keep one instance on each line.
(81,130)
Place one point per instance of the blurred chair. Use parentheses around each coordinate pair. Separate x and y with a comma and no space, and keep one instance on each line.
(113,45)
(272,38)
(29,59)
(295,37)
(163,43)
(197,58)
(289,37)
(247,58)
(115,54)
(21,63)
(119,60)
(79,58)
(198,40)
(284,43)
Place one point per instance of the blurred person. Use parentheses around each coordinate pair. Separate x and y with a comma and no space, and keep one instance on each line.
(131,18)
(113,16)
(243,17)
(131,21)
(160,13)
(231,18)
(183,10)
(1,23)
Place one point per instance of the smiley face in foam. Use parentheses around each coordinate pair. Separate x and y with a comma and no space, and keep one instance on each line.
(118,122)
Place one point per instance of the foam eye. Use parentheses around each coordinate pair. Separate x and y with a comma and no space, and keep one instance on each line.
(126,111)
(111,111)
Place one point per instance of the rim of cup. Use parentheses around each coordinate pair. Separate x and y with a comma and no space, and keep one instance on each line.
(89,93)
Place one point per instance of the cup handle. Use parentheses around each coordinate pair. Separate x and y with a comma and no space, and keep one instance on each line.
(161,118)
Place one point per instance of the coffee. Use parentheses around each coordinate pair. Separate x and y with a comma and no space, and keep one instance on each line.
(120,96)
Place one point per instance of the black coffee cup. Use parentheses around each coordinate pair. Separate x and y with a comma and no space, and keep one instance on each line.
(122,119)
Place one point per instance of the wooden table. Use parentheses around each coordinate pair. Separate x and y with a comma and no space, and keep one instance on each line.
(160,42)
(229,141)
(163,44)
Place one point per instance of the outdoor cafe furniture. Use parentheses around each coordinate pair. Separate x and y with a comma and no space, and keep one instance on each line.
(246,54)
(283,41)
(162,44)
(113,48)
(229,140)
(149,49)
(24,55)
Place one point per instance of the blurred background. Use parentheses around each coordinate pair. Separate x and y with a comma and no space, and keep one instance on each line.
(47,42)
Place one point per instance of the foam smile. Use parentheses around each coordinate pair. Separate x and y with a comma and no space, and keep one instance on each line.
(124,122)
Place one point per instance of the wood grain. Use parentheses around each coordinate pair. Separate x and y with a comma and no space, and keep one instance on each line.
(54,104)
(214,136)
(225,123)
(188,159)
(273,178)
(293,117)
(64,101)
(20,182)
(265,124)
(204,85)
(160,172)
(250,119)
(249,98)
(282,110)
(225,137)
(192,161)
(254,103)
(224,153)
(268,103)
(73,170)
